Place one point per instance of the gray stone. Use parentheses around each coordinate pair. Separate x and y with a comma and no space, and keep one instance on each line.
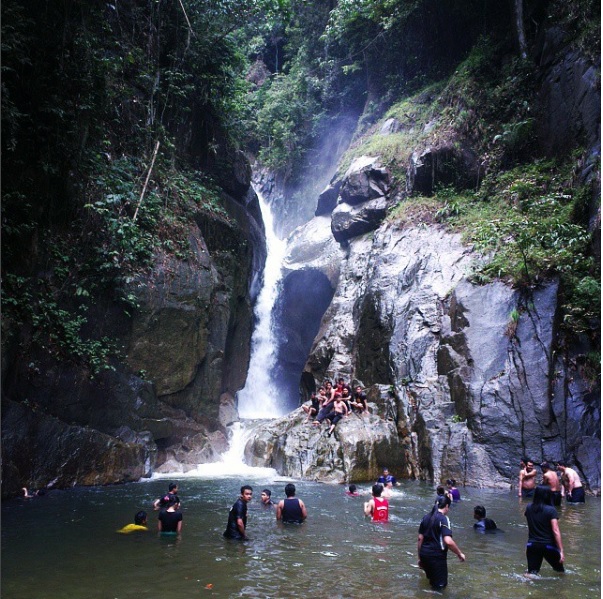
(351,221)
(327,200)
(366,179)
(357,451)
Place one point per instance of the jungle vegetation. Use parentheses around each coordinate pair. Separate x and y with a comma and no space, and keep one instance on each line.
(122,119)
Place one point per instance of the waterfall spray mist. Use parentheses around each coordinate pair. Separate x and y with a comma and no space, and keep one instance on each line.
(259,398)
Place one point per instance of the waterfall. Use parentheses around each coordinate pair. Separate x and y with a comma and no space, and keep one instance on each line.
(232,462)
(259,398)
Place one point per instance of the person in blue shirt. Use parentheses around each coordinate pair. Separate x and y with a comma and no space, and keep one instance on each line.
(386,477)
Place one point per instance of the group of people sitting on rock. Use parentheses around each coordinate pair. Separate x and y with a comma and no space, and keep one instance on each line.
(333,403)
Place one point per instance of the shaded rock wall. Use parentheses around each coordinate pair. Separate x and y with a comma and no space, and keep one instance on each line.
(166,406)
(34,445)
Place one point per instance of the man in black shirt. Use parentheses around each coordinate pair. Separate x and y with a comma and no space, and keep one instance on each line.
(291,509)
(358,402)
(237,517)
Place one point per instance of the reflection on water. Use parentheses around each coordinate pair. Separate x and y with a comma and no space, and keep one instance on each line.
(65,545)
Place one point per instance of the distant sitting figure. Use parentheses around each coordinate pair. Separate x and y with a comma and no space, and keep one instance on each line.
(340,409)
(483,523)
(312,408)
(358,402)
(140,524)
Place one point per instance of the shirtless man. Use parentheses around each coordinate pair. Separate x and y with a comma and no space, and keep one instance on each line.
(340,409)
(326,403)
(527,480)
(550,478)
(388,490)
(574,492)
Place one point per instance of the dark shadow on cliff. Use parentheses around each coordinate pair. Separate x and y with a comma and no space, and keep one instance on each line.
(303,299)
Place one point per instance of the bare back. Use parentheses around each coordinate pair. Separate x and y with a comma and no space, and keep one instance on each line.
(551,479)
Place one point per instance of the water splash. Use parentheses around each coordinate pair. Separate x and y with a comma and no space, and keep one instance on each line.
(259,398)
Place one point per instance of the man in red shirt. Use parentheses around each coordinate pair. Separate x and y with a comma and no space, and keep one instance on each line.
(377,507)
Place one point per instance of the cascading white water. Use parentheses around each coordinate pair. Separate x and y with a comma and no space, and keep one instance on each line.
(259,398)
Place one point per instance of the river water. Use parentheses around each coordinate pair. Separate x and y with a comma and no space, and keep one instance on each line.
(65,545)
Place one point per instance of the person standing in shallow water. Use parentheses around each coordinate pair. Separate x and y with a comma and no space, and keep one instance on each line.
(544,539)
(377,506)
(454,493)
(527,480)
(574,492)
(435,538)
(237,517)
(265,498)
(170,518)
(550,478)
(292,509)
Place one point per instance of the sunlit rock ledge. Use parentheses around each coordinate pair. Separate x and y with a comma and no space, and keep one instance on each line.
(360,447)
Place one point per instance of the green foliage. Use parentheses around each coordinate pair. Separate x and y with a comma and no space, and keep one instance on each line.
(54,329)
(581,19)
(286,120)
(87,92)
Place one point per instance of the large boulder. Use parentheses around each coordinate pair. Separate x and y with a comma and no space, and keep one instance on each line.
(473,368)
(358,450)
(365,179)
(351,221)
(327,200)
(41,451)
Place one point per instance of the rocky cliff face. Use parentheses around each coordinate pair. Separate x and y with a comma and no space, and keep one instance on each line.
(473,389)
(166,407)
(474,376)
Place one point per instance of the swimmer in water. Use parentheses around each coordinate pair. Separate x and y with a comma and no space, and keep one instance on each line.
(140,524)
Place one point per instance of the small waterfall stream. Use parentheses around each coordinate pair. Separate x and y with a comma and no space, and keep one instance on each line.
(258,399)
